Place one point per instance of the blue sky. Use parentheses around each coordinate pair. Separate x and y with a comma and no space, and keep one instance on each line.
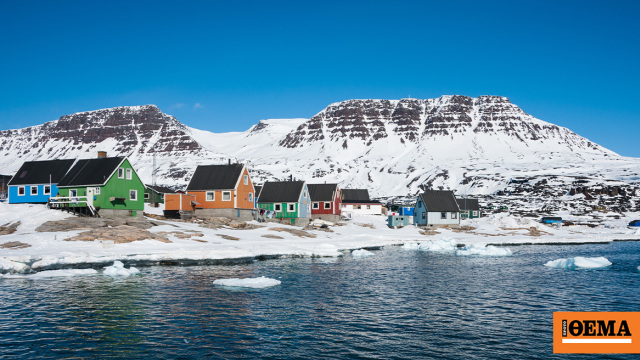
(222,66)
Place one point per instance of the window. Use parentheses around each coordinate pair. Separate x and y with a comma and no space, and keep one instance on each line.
(454,215)
(73,193)
(368,207)
(96,191)
(277,207)
(47,190)
(419,203)
(250,196)
(20,190)
(226,196)
(305,194)
(308,208)
(344,206)
(34,190)
(121,173)
(291,207)
(246,179)
(327,205)
(317,205)
(129,174)
(443,215)
(146,196)
(475,213)
(424,216)
(357,207)
(211,195)
(133,195)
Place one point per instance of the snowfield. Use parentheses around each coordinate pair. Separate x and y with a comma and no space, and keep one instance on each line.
(42,251)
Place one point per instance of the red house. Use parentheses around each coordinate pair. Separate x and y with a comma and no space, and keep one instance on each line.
(325,201)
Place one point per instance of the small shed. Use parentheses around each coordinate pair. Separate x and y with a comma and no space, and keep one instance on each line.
(396,221)
(406,210)
(635,223)
(551,220)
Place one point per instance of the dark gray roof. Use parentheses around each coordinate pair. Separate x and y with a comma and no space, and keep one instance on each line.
(439,200)
(94,171)
(322,192)
(215,177)
(281,191)
(468,204)
(257,188)
(37,172)
(357,196)
(160,189)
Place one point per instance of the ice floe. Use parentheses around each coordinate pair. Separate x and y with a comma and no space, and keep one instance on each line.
(441,245)
(53,274)
(256,283)
(360,253)
(579,262)
(411,246)
(483,250)
(118,269)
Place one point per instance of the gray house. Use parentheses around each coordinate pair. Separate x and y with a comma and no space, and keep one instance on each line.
(436,208)
(469,208)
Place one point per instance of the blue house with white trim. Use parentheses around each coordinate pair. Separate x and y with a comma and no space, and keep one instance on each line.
(36,181)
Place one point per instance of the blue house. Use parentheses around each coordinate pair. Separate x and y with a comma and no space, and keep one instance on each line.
(36,181)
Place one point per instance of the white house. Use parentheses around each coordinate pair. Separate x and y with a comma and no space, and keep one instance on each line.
(436,208)
(357,202)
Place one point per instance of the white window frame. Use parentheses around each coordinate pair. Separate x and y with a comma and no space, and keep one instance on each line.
(213,196)
(135,197)
(327,207)
(290,205)
(250,196)
(475,212)
(129,174)
(31,190)
(96,190)
(368,207)
(120,173)
(245,179)
(316,206)
(44,190)
(226,193)
(424,216)
(454,215)
(305,194)
(24,191)
(308,208)
(147,196)
(277,207)
(73,192)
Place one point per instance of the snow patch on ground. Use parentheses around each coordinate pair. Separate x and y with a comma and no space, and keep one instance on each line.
(118,269)
(411,246)
(254,283)
(361,253)
(484,250)
(579,262)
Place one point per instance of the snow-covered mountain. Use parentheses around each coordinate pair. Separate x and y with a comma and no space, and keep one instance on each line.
(393,147)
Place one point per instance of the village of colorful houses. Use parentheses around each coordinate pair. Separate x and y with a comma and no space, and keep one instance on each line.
(110,187)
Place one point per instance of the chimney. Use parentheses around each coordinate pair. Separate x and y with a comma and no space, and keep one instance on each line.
(290,177)
(102,154)
(229,161)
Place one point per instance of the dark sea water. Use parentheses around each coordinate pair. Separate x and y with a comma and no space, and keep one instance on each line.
(396,305)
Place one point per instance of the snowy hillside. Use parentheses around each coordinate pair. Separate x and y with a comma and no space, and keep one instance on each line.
(393,147)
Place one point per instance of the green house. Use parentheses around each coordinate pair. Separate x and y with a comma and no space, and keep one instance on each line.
(285,200)
(110,185)
(469,208)
(155,194)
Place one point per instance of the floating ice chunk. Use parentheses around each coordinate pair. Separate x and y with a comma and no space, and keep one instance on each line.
(484,250)
(411,246)
(54,273)
(579,262)
(118,269)
(360,253)
(256,283)
(441,245)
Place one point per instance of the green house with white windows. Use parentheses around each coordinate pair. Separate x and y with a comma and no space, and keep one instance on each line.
(103,186)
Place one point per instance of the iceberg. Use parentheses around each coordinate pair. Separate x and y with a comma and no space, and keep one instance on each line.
(255,283)
(360,253)
(484,250)
(579,262)
(441,245)
(118,269)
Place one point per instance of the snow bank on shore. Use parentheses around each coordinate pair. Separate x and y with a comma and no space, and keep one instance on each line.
(483,250)
(53,274)
(579,262)
(440,245)
(254,283)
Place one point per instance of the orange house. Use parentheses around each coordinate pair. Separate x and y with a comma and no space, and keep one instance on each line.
(222,190)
